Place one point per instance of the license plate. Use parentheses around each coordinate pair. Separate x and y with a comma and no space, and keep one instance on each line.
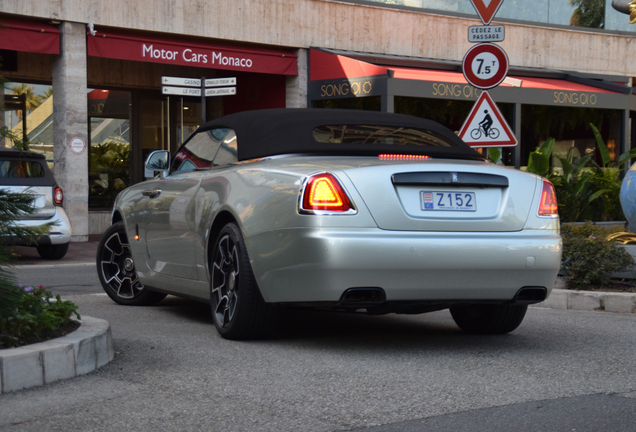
(448,201)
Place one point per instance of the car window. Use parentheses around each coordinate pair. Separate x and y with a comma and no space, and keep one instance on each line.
(21,169)
(373,134)
(205,149)
(228,150)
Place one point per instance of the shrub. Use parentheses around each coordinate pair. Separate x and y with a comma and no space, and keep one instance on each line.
(588,257)
(37,314)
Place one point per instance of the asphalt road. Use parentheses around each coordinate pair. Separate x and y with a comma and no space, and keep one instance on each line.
(560,371)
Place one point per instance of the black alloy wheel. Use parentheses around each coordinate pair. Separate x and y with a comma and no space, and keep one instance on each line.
(238,309)
(116,270)
(53,252)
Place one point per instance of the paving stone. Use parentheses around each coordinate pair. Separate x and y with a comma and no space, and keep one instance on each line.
(102,351)
(558,299)
(59,361)
(21,368)
(86,356)
(584,300)
(620,302)
(74,354)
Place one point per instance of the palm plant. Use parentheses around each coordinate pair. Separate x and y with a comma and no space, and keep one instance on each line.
(32,100)
(588,13)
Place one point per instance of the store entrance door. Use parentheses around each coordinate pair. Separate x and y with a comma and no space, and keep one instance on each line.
(164,123)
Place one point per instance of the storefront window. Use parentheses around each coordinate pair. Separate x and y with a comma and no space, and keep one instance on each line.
(373,103)
(109,153)
(155,130)
(570,127)
(37,101)
(582,13)
(189,117)
(167,123)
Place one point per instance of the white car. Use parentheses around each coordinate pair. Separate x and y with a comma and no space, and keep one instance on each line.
(345,210)
(24,172)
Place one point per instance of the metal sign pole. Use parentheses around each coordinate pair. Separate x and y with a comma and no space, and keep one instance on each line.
(203,113)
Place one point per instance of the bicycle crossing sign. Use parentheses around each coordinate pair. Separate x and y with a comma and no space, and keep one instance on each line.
(486,126)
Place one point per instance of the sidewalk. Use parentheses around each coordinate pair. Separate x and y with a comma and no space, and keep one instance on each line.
(78,253)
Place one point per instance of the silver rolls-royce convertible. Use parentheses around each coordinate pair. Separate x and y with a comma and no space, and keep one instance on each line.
(333,209)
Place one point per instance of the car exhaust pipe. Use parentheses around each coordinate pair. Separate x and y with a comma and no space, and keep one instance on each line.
(362,297)
(530,295)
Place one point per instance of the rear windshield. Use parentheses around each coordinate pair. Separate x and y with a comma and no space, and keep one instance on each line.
(21,169)
(387,135)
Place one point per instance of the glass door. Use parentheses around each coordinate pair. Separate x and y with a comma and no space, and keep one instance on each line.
(162,123)
(109,163)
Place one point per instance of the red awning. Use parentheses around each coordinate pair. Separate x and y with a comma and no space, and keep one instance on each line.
(29,36)
(327,66)
(324,66)
(122,46)
(511,81)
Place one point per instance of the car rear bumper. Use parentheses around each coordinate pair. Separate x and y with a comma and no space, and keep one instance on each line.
(319,265)
(60,232)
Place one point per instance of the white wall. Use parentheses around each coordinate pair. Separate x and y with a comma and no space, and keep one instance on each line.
(331,24)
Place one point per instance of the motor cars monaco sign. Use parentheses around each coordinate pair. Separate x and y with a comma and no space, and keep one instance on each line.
(486,126)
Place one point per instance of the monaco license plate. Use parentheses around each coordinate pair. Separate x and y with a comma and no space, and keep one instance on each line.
(448,201)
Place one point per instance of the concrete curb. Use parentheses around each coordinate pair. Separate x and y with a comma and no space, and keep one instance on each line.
(86,349)
(589,300)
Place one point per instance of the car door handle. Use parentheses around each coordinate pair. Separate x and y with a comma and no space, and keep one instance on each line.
(152,193)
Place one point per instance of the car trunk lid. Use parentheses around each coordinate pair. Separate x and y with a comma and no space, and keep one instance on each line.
(445,196)
(43,207)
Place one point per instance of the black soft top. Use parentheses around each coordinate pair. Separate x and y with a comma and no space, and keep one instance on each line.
(279,131)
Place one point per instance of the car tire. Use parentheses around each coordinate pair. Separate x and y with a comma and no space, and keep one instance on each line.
(488,319)
(53,252)
(238,309)
(116,270)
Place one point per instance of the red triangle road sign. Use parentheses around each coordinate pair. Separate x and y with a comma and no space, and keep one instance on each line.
(486,126)
(486,12)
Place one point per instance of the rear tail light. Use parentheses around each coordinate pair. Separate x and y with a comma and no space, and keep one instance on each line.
(323,193)
(58,196)
(548,205)
(400,157)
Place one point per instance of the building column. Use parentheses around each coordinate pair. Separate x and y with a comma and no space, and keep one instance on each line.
(70,119)
(2,121)
(296,92)
(516,118)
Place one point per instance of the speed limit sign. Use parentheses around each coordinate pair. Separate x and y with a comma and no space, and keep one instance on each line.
(485,65)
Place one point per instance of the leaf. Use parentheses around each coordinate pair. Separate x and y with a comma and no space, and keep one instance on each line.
(580,185)
(538,164)
(581,163)
(567,166)
(494,154)
(546,147)
(626,156)
(597,194)
(602,148)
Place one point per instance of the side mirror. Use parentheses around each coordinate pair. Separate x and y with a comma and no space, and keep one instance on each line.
(158,160)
